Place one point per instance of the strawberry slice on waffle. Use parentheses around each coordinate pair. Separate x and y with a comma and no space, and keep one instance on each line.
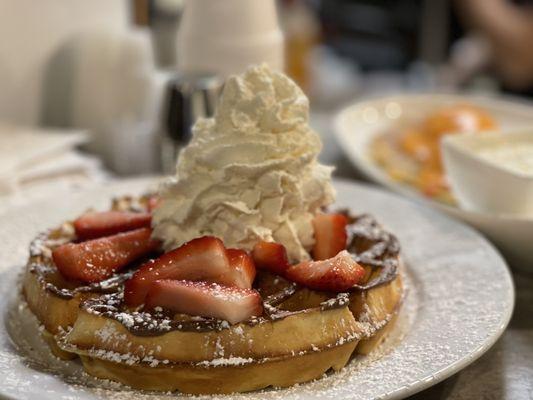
(204,299)
(271,256)
(335,274)
(203,258)
(241,272)
(330,235)
(97,259)
(93,225)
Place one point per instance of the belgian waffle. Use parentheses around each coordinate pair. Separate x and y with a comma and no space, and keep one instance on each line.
(300,335)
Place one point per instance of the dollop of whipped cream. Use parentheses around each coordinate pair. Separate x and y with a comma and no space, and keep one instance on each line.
(251,172)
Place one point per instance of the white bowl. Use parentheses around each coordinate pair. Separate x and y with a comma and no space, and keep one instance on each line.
(356,126)
(478,169)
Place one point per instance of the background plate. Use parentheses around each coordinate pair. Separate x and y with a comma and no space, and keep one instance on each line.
(459,301)
(358,124)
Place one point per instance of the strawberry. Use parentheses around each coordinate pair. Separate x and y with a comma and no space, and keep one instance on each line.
(271,256)
(93,225)
(330,235)
(335,274)
(203,258)
(242,270)
(97,259)
(204,299)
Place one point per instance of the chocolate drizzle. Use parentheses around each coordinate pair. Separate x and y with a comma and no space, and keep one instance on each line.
(160,321)
(107,286)
(282,295)
(373,247)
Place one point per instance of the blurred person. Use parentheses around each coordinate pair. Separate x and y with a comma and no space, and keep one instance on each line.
(508,28)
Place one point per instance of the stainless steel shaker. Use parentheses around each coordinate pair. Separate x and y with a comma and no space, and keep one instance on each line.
(187,97)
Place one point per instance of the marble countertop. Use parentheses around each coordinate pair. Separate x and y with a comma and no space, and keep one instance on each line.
(506,370)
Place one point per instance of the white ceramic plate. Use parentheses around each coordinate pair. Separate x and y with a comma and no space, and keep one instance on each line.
(358,124)
(459,300)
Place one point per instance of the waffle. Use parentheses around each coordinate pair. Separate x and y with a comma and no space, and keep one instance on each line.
(301,335)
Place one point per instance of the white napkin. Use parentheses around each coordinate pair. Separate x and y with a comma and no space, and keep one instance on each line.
(36,162)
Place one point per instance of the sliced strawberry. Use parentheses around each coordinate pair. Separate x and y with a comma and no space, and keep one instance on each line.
(204,299)
(330,235)
(93,225)
(98,259)
(153,202)
(200,259)
(242,270)
(335,274)
(271,256)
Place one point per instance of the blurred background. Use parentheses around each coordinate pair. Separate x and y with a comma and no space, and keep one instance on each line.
(106,88)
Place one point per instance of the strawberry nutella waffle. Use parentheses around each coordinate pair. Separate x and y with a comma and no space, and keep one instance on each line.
(235,278)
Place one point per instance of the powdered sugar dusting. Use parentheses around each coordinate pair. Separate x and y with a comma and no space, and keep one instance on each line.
(126,319)
(218,362)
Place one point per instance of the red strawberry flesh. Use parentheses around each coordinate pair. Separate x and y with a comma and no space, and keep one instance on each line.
(271,256)
(335,274)
(93,225)
(97,259)
(241,272)
(330,235)
(203,258)
(204,299)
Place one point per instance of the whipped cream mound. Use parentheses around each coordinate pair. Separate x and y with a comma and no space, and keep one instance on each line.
(251,172)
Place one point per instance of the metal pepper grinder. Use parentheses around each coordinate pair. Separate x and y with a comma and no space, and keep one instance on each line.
(187,97)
